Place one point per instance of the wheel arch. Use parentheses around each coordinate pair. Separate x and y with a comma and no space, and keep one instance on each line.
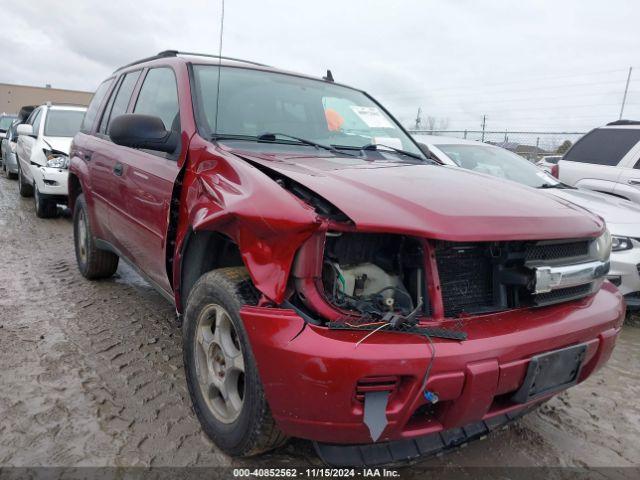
(203,251)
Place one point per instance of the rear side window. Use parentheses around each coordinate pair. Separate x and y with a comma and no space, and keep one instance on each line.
(94,106)
(159,97)
(605,146)
(119,101)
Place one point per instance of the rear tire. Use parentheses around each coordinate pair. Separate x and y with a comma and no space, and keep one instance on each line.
(26,190)
(221,371)
(93,263)
(44,208)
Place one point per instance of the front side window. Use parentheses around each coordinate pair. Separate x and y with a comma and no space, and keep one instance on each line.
(119,100)
(159,97)
(35,120)
(94,106)
(604,146)
(63,123)
(254,102)
(499,163)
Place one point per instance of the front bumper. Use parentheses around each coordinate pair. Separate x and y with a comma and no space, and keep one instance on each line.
(51,181)
(625,273)
(10,161)
(310,374)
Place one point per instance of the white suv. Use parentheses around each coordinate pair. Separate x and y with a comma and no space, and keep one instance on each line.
(43,155)
(606,159)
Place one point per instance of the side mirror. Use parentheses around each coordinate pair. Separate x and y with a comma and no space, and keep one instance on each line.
(24,129)
(136,130)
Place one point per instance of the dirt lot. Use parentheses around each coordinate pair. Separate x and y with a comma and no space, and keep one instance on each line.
(91,374)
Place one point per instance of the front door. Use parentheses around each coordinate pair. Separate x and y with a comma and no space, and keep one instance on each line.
(145,181)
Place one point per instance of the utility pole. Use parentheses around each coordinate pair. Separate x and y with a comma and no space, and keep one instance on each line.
(484,124)
(624,97)
(419,118)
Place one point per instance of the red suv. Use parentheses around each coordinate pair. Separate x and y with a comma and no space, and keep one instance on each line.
(335,283)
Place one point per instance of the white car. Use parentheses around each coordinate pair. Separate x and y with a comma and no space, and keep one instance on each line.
(43,155)
(547,162)
(622,217)
(606,160)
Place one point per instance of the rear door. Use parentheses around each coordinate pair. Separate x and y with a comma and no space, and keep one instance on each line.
(628,185)
(104,153)
(595,161)
(84,146)
(145,182)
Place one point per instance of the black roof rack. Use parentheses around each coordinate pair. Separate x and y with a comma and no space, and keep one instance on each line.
(175,53)
(624,122)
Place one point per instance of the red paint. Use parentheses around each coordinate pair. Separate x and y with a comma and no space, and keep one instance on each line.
(310,376)
(310,373)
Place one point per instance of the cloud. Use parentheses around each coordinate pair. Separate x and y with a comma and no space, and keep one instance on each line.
(535,65)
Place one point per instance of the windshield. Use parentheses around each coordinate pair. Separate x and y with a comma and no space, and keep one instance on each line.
(254,102)
(499,163)
(5,122)
(63,123)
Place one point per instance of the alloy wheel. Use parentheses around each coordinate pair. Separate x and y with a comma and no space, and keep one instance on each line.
(82,236)
(219,363)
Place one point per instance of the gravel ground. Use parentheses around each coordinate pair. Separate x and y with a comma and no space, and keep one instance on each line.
(91,375)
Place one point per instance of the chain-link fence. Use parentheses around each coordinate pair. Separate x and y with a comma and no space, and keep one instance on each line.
(531,145)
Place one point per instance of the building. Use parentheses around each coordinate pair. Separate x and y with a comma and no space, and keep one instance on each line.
(13,97)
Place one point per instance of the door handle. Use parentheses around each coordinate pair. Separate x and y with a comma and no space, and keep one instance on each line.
(118,169)
(633,181)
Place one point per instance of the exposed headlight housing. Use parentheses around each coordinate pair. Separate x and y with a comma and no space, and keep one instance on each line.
(603,246)
(57,160)
(618,244)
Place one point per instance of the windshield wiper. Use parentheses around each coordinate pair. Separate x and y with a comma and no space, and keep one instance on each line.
(272,137)
(552,185)
(374,146)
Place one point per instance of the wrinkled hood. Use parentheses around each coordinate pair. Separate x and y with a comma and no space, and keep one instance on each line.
(430,200)
(62,144)
(621,216)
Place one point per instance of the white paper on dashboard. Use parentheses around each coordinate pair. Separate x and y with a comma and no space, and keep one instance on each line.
(372,116)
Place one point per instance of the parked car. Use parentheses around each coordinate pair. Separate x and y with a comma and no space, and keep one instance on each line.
(43,155)
(5,123)
(9,144)
(607,160)
(621,216)
(334,283)
(547,162)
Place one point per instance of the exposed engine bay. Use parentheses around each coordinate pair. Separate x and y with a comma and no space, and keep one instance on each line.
(374,274)
(399,279)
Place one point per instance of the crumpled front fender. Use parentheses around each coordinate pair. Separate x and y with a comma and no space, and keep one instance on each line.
(223,193)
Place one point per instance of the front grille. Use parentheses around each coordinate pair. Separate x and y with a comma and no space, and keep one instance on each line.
(562,295)
(466,278)
(489,277)
(556,251)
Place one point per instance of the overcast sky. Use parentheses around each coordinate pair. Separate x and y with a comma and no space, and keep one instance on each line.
(528,65)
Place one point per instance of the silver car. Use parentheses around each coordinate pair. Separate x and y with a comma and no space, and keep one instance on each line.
(9,161)
(622,216)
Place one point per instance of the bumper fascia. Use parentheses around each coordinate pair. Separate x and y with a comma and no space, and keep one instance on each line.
(624,265)
(310,373)
(10,162)
(51,182)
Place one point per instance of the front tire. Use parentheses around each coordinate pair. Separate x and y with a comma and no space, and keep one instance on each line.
(44,208)
(221,372)
(93,263)
(26,189)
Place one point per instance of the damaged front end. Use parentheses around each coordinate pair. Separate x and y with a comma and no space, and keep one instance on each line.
(346,276)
